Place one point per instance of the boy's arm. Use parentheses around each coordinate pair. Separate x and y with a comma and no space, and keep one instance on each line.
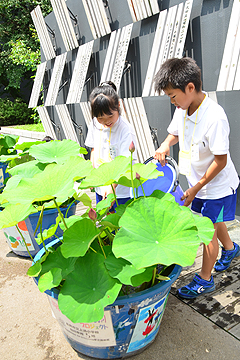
(216,166)
(164,149)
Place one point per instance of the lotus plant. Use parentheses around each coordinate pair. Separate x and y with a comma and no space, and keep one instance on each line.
(104,255)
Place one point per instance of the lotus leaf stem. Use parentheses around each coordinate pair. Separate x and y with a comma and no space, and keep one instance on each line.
(25,243)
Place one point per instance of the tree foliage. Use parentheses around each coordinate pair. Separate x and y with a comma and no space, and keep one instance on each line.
(19,44)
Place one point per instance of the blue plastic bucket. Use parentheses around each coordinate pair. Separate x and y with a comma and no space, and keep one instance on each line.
(3,173)
(167,183)
(28,227)
(129,325)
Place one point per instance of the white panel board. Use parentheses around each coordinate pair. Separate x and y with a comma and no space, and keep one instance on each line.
(37,85)
(183,28)
(154,53)
(85,107)
(43,34)
(79,73)
(47,124)
(121,55)
(90,20)
(64,23)
(66,122)
(55,79)
(229,46)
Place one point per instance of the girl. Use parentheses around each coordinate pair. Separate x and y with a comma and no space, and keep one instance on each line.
(109,135)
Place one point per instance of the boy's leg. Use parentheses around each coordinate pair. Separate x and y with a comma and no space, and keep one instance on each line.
(223,236)
(210,253)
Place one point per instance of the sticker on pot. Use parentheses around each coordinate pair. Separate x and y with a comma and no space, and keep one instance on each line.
(15,240)
(147,325)
(99,334)
(1,178)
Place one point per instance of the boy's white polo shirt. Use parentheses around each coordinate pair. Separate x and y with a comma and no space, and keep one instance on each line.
(121,136)
(212,137)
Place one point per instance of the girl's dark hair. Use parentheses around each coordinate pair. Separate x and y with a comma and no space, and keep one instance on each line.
(104,100)
(109,82)
(177,74)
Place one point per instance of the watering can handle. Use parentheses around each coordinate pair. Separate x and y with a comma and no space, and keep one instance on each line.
(173,163)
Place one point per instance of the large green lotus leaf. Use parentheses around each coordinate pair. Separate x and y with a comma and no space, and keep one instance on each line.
(69,221)
(13,214)
(56,181)
(126,273)
(6,158)
(205,228)
(55,151)
(26,145)
(27,169)
(154,231)
(88,290)
(107,173)
(56,260)
(78,238)
(146,172)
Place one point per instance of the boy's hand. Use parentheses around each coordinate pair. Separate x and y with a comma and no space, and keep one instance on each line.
(161,153)
(188,196)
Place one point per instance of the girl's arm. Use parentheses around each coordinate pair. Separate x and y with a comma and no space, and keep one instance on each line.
(164,149)
(216,166)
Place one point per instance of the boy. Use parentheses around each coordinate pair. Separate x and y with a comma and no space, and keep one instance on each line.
(201,127)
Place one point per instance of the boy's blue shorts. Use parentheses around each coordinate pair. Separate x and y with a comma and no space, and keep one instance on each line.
(218,210)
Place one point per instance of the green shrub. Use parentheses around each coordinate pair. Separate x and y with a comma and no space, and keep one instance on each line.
(16,113)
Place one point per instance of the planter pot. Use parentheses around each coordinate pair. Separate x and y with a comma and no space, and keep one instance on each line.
(129,325)
(3,174)
(28,227)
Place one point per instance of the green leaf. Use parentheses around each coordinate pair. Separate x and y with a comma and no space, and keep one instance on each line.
(70,221)
(26,145)
(56,181)
(126,273)
(205,228)
(13,214)
(78,238)
(111,220)
(160,232)
(88,290)
(146,172)
(55,151)
(27,169)
(106,203)
(84,198)
(107,173)
(56,260)
(35,269)
(50,279)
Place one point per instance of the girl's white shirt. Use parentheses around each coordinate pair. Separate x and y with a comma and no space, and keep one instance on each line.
(211,137)
(109,143)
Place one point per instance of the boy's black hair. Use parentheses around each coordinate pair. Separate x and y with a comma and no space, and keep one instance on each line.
(177,74)
(104,100)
